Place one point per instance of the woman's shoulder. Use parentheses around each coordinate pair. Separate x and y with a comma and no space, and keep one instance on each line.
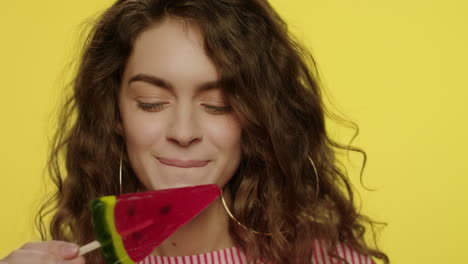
(324,254)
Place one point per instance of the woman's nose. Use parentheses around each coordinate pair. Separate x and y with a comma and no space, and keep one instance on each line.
(183,127)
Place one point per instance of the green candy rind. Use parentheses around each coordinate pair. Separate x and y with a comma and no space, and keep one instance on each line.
(104,226)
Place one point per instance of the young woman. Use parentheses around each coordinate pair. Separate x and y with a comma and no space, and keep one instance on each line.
(189,92)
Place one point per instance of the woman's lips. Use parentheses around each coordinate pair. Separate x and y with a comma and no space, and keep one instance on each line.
(183,163)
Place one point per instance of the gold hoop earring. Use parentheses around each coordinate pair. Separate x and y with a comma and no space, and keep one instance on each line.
(258,232)
(237,221)
(316,177)
(120,171)
(304,214)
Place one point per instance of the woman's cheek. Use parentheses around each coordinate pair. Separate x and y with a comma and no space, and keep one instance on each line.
(144,128)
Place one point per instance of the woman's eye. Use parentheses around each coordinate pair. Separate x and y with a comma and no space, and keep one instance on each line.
(217,109)
(151,107)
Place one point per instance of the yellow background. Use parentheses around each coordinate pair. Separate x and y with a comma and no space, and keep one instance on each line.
(397,68)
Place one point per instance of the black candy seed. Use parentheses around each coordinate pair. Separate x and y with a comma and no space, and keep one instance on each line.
(165,210)
(137,236)
(131,210)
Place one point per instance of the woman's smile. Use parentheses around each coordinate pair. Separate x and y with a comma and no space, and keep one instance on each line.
(183,163)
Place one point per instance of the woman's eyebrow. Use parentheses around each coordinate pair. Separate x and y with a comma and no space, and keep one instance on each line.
(160,82)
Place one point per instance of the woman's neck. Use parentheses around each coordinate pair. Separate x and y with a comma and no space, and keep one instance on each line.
(207,232)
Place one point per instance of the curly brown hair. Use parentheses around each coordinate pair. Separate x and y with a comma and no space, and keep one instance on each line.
(270,81)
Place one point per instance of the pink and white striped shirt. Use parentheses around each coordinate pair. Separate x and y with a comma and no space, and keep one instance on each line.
(235,255)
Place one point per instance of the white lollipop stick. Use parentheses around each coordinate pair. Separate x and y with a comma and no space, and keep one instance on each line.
(89,247)
(95,244)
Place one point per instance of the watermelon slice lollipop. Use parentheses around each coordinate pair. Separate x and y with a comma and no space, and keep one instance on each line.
(129,227)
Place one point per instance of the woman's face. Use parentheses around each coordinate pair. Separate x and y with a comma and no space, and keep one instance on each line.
(179,130)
